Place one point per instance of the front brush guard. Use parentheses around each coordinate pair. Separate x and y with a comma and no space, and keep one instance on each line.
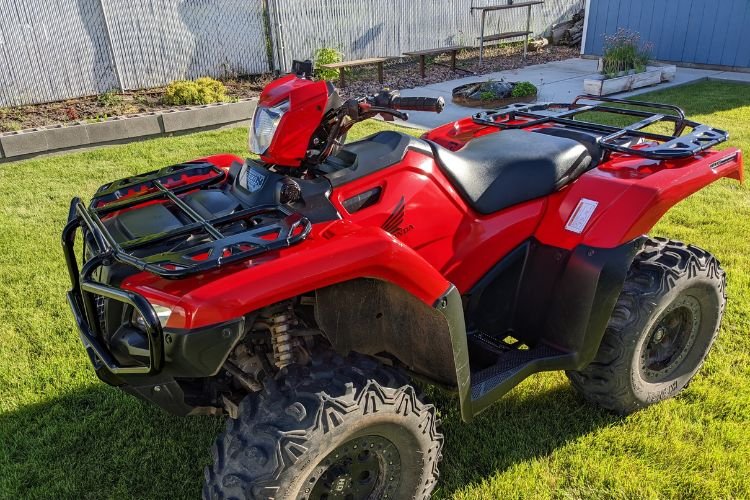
(81,298)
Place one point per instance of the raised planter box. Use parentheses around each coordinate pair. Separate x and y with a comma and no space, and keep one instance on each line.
(471,95)
(652,76)
(17,145)
(492,103)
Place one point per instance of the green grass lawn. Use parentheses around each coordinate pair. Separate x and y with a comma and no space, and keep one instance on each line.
(63,434)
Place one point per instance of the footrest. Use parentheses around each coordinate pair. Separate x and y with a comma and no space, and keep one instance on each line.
(511,367)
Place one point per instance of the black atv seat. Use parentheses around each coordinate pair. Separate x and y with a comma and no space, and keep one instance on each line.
(502,169)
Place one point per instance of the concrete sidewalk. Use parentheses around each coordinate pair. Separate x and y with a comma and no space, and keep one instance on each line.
(559,81)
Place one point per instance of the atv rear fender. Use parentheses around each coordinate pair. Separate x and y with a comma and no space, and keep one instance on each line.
(630,195)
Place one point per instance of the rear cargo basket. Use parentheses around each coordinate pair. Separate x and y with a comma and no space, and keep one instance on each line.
(197,246)
(627,139)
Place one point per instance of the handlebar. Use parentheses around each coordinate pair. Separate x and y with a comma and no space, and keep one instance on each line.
(429,104)
(386,103)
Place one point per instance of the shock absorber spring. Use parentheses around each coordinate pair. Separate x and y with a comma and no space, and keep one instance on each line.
(280,324)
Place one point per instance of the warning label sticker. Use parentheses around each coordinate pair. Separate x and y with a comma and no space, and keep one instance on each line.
(581,215)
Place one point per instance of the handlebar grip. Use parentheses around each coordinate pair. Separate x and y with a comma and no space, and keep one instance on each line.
(418,104)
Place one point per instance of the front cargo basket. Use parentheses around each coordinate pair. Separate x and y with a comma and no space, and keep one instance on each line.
(196,247)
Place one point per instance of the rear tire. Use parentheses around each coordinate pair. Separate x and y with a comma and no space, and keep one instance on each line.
(660,331)
(340,428)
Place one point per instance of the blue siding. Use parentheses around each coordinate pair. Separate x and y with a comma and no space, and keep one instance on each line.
(690,43)
(734,33)
(689,31)
(742,58)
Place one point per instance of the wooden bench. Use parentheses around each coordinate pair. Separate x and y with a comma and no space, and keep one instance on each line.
(341,66)
(422,54)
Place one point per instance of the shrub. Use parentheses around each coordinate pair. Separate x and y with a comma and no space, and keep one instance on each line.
(624,52)
(201,91)
(109,99)
(487,95)
(9,126)
(523,89)
(327,55)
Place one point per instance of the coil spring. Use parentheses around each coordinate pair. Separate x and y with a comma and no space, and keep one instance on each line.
(282,339)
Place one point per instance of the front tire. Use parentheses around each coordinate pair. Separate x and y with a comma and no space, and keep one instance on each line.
(341,428)
(660,331)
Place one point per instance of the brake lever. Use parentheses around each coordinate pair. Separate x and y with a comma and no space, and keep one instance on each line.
(388,114)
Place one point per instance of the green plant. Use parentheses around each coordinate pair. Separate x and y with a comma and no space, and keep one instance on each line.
(142,100)
(9,126)
(523,89)
(487,95)
(98,118)
(109,99)
(327,55)
(624,52)
(204,90)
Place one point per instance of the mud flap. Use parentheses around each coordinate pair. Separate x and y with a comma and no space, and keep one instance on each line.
(378,318)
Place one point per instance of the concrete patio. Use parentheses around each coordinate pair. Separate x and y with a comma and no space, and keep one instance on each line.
(559,81)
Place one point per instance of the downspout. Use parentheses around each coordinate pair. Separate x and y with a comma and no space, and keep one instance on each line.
(585,25)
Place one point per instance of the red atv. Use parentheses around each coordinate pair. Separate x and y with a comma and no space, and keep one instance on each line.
(299,294)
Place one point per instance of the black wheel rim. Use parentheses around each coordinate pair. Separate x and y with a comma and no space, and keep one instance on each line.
(670,340)
(366,467)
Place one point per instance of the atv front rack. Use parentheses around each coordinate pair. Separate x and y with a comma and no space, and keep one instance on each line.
(196,247)
(619,139)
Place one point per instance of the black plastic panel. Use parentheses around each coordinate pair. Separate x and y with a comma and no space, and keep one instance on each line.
(369,155)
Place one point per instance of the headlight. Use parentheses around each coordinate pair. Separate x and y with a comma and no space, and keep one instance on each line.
(265,122)
(162,313)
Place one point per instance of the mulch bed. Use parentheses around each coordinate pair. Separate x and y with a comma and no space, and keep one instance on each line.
(95,108)
(399,74)
(404,74)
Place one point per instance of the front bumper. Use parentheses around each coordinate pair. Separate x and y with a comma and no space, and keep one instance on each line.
(82,301)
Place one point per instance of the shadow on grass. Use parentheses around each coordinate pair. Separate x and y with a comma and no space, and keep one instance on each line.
(101,443)
(524,425)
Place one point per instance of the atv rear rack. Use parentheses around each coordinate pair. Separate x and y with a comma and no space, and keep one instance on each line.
(667,147)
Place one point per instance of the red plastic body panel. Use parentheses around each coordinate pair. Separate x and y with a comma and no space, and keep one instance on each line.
(632,195)
(307,102)
(440,242)
(223,161)
(337,252)
(422,236)
(437,223)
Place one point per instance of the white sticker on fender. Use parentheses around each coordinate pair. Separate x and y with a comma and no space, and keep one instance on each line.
(581,215)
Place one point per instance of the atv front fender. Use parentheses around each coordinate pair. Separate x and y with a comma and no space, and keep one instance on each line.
(334,253)
(375,296)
